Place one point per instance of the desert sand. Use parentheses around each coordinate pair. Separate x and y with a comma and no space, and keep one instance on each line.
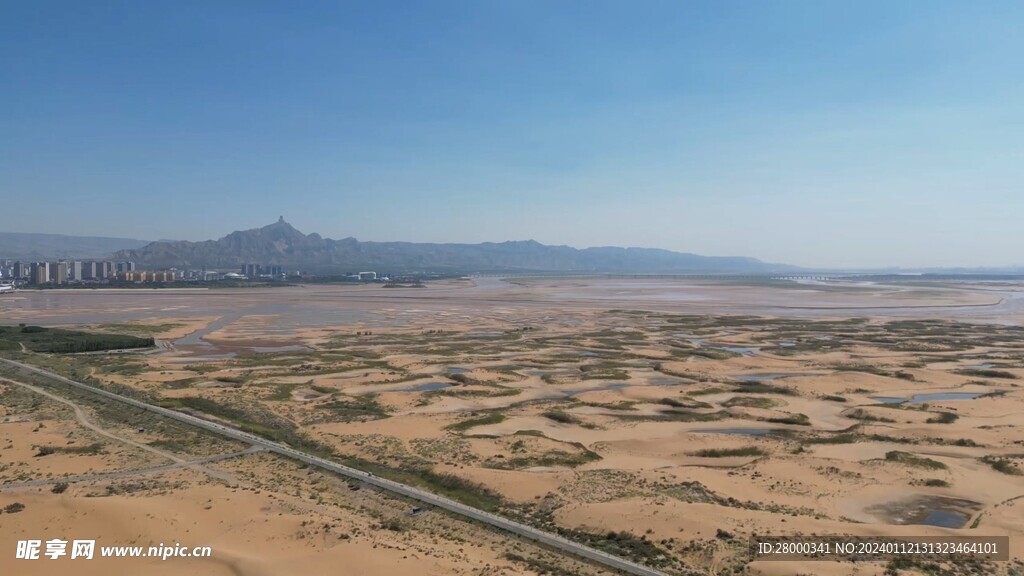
(687,414)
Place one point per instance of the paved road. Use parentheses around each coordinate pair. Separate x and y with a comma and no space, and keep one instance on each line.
(552,540)
(131,473)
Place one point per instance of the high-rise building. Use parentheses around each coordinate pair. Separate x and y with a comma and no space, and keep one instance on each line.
(75,271)
(39,273)
(106,270)
(88,271)
(21,270)
(59,272)
(251,270)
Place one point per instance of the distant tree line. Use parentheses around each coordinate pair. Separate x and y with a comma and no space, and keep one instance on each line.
(60,341)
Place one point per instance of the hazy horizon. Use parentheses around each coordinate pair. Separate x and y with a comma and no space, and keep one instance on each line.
(823,135)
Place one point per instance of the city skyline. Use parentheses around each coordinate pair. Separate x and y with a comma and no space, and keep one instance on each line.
(821,135)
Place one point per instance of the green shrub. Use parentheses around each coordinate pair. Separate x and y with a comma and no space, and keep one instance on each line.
(913,460)
(494,418)
(729,452)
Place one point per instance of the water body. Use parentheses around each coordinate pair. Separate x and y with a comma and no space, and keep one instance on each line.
(927,510)
(457,370)
(945,518)
(933,397)
(605,388)
(743,431)
(291,309)
(742,350)
(424,387)
(196,338)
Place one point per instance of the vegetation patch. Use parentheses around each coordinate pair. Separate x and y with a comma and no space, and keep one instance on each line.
(1004,465)
(834,439)
(676,403)
(494,418)
(913,460)
(695,492)
(750,402)
(86,450)
(547,459)
(729,452)
(249,419)
(792,419)
(560,417)
(538,566)
(987,373)
(943,418)
(142,329)
(60,341)
(353,409)
(604,371)
(932,483)
(762,388)
(683,415)
(864,415)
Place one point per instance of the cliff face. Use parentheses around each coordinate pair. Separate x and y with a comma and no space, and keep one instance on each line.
(280,243)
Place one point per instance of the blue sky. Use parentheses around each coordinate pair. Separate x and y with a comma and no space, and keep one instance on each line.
(831,134)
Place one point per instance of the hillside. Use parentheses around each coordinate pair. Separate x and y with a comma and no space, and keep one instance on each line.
(280,243)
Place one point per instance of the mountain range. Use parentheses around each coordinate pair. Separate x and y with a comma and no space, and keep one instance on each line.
(280,243)
(32,247)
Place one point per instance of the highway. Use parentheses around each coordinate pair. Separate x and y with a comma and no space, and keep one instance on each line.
(553,540)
